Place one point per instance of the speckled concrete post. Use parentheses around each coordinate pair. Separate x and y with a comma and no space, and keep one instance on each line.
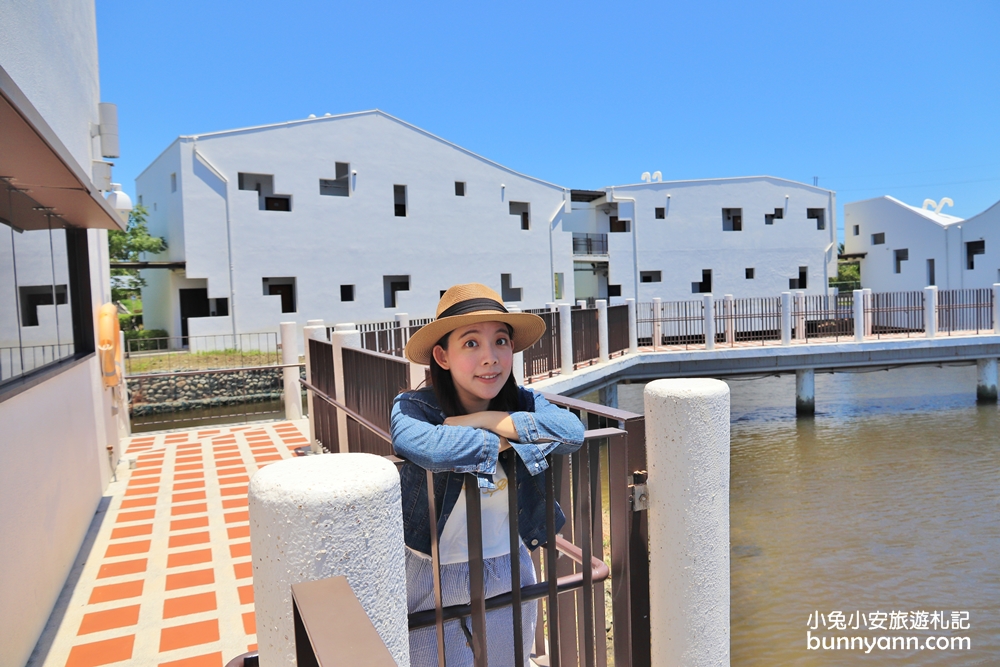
(517,370)
(292,390)
(323,516)
(687,445)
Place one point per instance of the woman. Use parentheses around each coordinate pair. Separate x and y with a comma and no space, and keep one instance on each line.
(473,411)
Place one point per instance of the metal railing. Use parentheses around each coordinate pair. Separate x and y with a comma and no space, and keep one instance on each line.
(571,628)
(590,244)
(586,343)
(828,316)
(387,337)
(967,310)
(183,353)
(895,313)
(679,323)
(371,381)
(16,361)
(618,326)
(543,359)
(744,321)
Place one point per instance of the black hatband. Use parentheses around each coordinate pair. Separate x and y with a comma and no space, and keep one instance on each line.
(472,306)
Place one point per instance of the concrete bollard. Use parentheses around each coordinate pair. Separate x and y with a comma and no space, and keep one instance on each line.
(805,392)
(996,308)
(687,444)
(552,308)
(292,392)
(343,335)
(786,318)
(581,303)
(633,327)
(709,302)
(315,323)
(800,315)
(566,337)
(859,316)
(312,332)
(657,322)
(403,322)
(729,318)
(518,368)
(986,380)
(930,311)
(869,311)
(326,516)
(602,330)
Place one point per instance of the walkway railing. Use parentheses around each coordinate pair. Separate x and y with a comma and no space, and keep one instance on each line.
(618,326)
(965,310)
(585,337)
(590,244)
(183,353)
(543,359)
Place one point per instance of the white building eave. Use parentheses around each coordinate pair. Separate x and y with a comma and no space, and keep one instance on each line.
(728,179)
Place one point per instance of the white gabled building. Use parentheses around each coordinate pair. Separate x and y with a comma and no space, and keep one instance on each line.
(359,216)
(903,247)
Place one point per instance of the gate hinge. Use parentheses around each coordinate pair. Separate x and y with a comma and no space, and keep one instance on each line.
(640,492)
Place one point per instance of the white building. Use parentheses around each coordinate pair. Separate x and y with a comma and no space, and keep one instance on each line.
(360,216)
(905,248)
(57,419)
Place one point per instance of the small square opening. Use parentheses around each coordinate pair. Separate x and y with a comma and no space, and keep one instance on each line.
(732,219)
(399,200)
(749,274)
(459,189)
(347,292)
(522,210)
(649,276)
(339,186)
(660,212)
(819,215)
(878,239)
(769,218)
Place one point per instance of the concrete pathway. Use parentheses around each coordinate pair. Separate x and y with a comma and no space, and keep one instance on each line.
(167,579)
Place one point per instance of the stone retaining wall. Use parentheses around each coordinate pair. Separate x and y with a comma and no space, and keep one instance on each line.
(176,393)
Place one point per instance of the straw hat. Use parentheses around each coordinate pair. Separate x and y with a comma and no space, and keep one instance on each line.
(467,304)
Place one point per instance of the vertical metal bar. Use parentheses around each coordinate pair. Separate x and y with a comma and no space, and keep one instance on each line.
(621,604)
(564,566)
(432,521)
(638,552)
(515,557)
(583,489)
(536,560)
(551,559)
(597,523)
(477,590)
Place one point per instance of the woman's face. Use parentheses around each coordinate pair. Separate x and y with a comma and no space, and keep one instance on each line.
(480,358)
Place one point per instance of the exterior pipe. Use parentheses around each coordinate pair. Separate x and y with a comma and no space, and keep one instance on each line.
(229,235)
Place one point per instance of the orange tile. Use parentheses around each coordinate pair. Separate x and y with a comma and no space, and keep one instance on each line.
(189,634)
(238,531)
(251,647)
(188,497)
(188,468)
(101,653)
(142,491)
(138,502)
(145,463)
(128,589)
(189,579)
(234,467)
(206,660)
(140,472)
(188,509)
(132,531)
(233,479)
(243,570)
(144,480)
(188,604)
(236,517)
(246,594)
(189,558)
(124,567)
(127,548)
(238,550)
(122,617)
(193,484)
(185,460)
(141,515)
(250,623)
(189,475)
(228,454)
(187,539)
(267,459)
(230,503)
(234,490)
(186,524)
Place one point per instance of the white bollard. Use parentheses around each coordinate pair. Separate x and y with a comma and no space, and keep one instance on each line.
(315,323)
(403,323)
(800,315)
(566,338)
(602,330)
(859,315)
(633,328)
(709,321)
(326,516)
(869,311)
(930,311)
(657,322)
(343,335)
(312,332)
(687,445)
(551,307)
(518,369)
(996,308)
(729,319)
(786,318)
(292,393)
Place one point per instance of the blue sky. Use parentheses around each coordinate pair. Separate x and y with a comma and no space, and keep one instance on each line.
(897,98)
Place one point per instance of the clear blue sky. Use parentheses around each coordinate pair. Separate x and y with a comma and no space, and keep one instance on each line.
(897,98)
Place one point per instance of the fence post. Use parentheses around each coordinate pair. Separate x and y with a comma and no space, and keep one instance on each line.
(687,436)
(518,368)
(292,391)
(786,318)
(800,315)
(859,315)
(312,332)
(657,323)
(566,337)
(602,330)
(930,311)
(633,327)
(869,307)
(551,307)
(709,301)
(403,324)
(325,516)
(343,335)
(315,323)
(729,320)
(996,308)
(581,303)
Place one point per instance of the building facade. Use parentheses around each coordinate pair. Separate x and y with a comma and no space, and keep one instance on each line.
(58,420)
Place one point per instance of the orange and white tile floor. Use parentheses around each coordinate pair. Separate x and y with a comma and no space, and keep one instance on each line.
(167,580)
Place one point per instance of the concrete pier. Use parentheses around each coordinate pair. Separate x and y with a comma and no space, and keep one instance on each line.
(986,380)
(687,440)
(608,396)
(805,392)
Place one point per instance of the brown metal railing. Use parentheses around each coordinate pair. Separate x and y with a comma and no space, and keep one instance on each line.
(386,337)
(896,313)
(617,330)
(324,415)
(590,244)
(543,359)
(586,344)
(967,310)
(829,316)
(680,323)
(371,381)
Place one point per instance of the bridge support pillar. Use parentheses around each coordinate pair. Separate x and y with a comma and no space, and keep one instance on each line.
(687,445)
(608,396)
(986,380)
(805,392)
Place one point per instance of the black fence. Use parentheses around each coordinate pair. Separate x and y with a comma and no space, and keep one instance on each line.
(586,343)
(543,359)
(618,327)
(590,244)
(966,310)
(371,381)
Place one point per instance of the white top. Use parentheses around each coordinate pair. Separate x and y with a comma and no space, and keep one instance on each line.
(454,543)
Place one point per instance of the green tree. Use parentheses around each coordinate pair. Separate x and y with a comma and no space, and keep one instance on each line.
(128,246)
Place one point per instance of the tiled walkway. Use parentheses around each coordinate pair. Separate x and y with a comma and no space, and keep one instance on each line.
(168,578)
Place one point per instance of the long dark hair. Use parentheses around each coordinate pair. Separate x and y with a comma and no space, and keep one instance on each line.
(447,396)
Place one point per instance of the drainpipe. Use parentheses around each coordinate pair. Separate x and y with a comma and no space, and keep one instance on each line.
(552,263)
(229,236)
(635,241)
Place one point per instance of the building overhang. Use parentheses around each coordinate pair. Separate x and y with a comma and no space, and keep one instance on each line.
(148,265)
(35,161)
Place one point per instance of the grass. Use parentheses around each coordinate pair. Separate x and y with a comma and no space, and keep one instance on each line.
(182,360)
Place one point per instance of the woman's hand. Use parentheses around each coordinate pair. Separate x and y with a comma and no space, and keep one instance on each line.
(491,420)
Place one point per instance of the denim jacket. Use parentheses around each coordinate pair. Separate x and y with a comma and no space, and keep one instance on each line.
(420,436)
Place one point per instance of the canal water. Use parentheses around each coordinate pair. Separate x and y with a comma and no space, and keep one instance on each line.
(888,501)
